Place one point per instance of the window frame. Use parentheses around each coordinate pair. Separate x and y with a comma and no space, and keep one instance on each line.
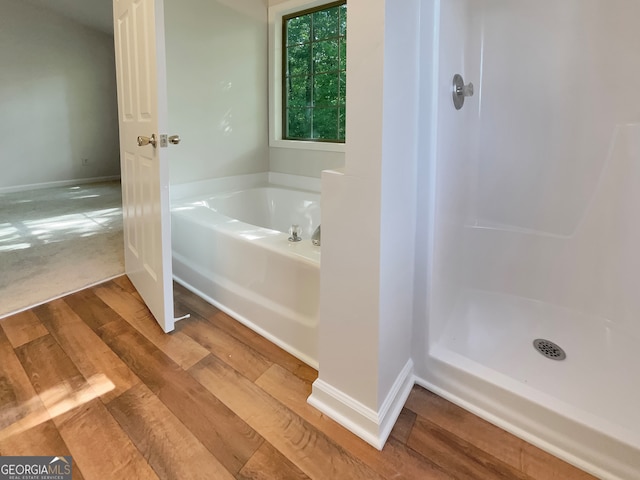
(276,98)
(283,103)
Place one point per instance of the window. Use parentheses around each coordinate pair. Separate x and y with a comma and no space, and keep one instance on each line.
(314,61)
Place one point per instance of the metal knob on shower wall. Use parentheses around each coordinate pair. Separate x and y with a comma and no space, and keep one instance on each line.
(460,91)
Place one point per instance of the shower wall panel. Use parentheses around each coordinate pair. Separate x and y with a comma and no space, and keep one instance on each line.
(539,173)
(551,216)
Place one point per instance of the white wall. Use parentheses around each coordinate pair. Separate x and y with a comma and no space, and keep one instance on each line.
(368,216)
(217,87)
(398,187)
(308,163)
(57,98)
(217,71)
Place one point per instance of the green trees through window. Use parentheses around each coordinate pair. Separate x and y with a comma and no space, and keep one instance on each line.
(314,73)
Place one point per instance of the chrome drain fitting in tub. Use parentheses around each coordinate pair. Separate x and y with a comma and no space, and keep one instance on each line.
(549,349)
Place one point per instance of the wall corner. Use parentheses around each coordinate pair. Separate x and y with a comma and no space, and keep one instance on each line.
(373,426)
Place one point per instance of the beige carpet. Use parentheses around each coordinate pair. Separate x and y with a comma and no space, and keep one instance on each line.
(58,240)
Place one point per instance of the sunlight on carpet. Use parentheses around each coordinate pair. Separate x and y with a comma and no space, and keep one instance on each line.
(58,240)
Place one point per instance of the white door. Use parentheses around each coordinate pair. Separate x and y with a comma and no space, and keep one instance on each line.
(142,111)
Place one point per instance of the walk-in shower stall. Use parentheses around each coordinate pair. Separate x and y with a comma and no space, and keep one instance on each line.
(534,207)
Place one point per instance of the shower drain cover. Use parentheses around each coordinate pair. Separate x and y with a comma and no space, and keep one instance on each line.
(549,349)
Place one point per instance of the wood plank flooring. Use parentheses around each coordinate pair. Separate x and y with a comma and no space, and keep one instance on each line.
(92,375)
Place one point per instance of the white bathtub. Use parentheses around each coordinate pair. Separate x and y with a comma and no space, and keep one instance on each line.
(231,248)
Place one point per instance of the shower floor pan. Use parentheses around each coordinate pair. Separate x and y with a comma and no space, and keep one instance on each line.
(585,408)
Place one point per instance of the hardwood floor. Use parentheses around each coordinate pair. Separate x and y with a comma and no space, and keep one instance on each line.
(93,376)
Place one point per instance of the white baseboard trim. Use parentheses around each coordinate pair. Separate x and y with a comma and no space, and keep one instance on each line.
(61,183)
(373,427)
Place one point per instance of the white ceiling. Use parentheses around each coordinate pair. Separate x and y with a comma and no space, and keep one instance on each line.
(96,14)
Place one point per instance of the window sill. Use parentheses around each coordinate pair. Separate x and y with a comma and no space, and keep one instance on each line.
(302,145)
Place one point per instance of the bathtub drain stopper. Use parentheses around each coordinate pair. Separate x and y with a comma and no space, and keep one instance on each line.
(549,349)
